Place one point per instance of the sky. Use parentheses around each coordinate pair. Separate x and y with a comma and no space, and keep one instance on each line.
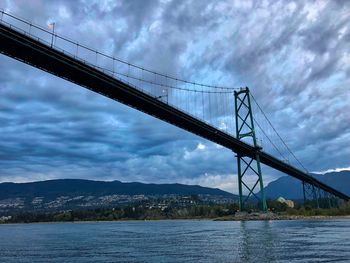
(294,56)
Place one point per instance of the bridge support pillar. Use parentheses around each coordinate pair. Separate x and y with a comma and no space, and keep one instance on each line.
(316,195)
(304,194)
(247,161)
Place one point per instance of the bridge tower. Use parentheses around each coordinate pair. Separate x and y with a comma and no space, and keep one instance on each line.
(250,161)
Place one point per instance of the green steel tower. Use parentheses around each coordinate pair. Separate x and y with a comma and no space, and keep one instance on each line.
(245,129)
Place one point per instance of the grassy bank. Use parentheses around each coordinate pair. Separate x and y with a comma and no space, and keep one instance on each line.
(342,210)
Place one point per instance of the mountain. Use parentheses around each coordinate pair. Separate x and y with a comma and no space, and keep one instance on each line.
(76,187)
(76,193)
(291,188)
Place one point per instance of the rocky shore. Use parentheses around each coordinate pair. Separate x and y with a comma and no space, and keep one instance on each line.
(244,216)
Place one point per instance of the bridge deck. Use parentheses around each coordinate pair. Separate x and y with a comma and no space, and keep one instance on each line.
(37,54)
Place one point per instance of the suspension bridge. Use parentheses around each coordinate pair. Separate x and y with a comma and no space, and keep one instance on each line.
(230,117)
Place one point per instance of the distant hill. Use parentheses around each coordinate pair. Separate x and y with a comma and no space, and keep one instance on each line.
(291,188)
(69,194)
(75,187)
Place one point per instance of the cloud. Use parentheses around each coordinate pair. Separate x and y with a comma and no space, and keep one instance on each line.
(294,57)
(332,170)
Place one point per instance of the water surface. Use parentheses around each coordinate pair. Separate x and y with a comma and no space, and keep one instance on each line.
(177,241)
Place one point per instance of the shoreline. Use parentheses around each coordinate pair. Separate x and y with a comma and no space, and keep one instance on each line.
(253,217)
(278,217)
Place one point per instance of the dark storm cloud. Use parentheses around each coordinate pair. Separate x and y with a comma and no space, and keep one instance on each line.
(293,55)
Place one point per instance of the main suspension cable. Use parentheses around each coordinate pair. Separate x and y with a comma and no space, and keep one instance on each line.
(279,136)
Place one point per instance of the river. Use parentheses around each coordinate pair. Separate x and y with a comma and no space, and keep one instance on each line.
(177,241)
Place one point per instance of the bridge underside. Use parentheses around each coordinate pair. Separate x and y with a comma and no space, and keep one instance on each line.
(30,51)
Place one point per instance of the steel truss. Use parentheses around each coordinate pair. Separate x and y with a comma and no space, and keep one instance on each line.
(245,164)
(317,197)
